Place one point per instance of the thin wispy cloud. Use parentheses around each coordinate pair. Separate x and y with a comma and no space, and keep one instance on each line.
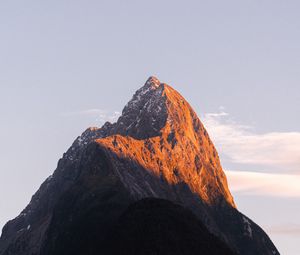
(241,144)
(98,115)
(267,184)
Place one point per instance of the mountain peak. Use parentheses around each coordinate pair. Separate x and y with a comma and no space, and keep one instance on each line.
(145,114)
(179,149)
(153,81)
(151,85)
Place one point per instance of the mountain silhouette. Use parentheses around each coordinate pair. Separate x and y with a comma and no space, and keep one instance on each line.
(151,183)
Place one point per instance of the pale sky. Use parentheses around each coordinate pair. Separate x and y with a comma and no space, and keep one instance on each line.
(68,65)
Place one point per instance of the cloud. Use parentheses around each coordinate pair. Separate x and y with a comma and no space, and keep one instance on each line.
(254,183)
(241,144)
(287,229)
(99,115)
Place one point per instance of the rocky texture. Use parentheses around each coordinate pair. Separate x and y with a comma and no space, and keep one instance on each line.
(157,148)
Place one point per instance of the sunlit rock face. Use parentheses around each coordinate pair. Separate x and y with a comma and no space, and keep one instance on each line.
(160,132)
(157,148)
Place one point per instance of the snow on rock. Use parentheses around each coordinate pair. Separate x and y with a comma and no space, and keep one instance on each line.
(147,104)
(151,85)
(247,226)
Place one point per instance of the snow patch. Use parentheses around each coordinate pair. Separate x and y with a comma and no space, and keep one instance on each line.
(247,227)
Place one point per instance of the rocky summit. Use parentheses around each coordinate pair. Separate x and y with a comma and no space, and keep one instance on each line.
(151,183)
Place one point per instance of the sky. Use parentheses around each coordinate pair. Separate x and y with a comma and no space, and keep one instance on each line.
(68,65)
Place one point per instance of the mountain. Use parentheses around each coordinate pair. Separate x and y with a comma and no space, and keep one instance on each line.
(157,149)
(148,226)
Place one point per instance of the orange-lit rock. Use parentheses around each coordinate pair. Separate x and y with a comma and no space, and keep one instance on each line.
(182,152)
